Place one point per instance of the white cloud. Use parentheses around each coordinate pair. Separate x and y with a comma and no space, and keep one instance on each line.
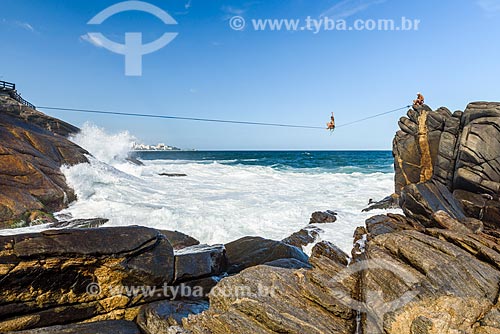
(26,26)
(89,39)
(347,8)
(233,10)
(489,6)
(188,4)
(18,24)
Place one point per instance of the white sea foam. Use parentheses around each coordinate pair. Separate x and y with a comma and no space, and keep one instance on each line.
(105,147)
(216,203)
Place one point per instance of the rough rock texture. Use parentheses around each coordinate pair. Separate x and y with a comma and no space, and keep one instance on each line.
(329,250)
(45,277)
(460,151)
(390,202)
(199,261)
(30,160)
(179,240)
(326,217)
(304,237)
(100,327)
(416,145)
(252,251)
(420,201)
(16,110)
(159,316)
(268,300)
(80,223)
(439,281)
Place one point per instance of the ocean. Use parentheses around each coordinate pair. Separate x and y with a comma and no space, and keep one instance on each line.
(227,194)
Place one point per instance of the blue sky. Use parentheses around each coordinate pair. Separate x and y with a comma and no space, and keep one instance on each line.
(212,71)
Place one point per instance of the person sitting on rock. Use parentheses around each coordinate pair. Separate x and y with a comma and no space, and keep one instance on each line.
(331,125)
(419,101)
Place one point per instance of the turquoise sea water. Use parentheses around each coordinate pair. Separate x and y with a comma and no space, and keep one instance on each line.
(314,161)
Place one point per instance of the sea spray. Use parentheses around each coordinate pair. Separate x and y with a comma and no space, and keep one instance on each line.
(108,148)
(217,203)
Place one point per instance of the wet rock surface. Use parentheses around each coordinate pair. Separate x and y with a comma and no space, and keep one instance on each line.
(304,237)
(81,223)
(390,202)
(326,217)
(252,251)
(179,240)
(199,261)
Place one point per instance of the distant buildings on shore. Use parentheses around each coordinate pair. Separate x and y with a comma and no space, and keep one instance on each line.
(159,147)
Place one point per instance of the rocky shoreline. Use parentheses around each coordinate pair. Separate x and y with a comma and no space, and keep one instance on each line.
(433,270)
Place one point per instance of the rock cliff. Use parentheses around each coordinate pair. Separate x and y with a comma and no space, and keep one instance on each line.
(33,147)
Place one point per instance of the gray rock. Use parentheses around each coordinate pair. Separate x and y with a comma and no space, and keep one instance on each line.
(326,217)
(46,276)
(100,327)
(179,240)
(158,317)
(304,237)
(330,251)
(390,202)
(265,300)
(252,251)
(288,264)
(383,224)
(199,261)
(80,223)
(421,201)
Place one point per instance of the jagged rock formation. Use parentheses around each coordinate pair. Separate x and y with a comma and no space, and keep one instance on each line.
(66,276)
(23,113)
(252,251)
(30,160)
(446,281)
(45,276)
(460,151)
(265,299)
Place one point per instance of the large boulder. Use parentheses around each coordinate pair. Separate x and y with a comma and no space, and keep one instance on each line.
(420,201)
(438,282)
(265,300)
(416,145)
(98,327)
(477,168)
(199,261)
(62,276)
(31,154)
(252,251)
(304,237)
(179,240)
(458,151)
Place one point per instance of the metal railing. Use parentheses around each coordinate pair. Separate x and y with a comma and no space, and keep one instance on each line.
(10,88)
(7,85)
